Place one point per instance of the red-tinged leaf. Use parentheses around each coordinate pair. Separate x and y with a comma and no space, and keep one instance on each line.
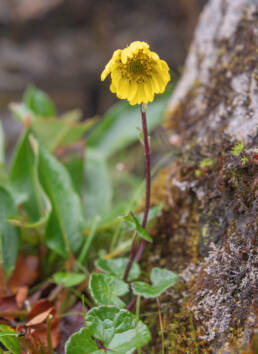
(25,273)
(43,316)
(21,295)
(37,324)
(8,306)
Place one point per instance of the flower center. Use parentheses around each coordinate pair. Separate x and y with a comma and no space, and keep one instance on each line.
(136,67)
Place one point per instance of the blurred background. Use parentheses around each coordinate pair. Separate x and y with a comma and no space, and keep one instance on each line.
(61,46)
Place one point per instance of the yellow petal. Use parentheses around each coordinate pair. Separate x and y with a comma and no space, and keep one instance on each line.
(148,92)
(132,90)
(106,71)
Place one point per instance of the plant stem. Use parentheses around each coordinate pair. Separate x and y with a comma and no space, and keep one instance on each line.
(136,253)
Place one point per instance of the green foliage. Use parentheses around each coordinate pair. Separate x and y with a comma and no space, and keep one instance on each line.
(161,279)
(134,223)
(3,176)
(119,331)
(117,267)
(105,289)
(64,226)
(97,187)
(9,338)
(23,179)
(118,127)
(68,279)
(59,193)
(207,162)
(9,234)
(39,102)
(238,148)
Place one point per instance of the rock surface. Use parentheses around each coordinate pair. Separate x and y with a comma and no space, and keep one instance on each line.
(208,230)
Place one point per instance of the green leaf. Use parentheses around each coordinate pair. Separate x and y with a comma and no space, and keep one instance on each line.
(98,189)
(9,235)
(53,132)
(39,102)
(162,279)
(63,231)
(68,279)
(2,146)
(82,343)
(118,128)
(24,183)
(154,212)
(133,222)
(75,166)
(22,113)
(120,330)
(3,175)
(105,289)
(9,338)
(117,267)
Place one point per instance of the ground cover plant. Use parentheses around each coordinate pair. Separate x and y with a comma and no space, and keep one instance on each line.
(66,227)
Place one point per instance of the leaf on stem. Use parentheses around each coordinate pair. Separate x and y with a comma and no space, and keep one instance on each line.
(117,267)
(118,330)
(105,289)
(134,223)
(161,279)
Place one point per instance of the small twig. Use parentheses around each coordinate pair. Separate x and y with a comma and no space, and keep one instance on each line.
(49,338)
(161,327)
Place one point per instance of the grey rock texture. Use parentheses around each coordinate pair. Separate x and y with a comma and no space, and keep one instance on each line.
(208,232)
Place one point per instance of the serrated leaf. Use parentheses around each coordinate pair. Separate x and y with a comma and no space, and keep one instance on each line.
(133,222)
(161,279)
(118,128)
(39,102)
(97,186)
(120,330)
(82,343)
(9,338)
(9,235)
(23,179)
(117,267)
(63,231)
(105,289)
(68,279)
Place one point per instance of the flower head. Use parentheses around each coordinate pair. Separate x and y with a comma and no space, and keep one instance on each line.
(137,73)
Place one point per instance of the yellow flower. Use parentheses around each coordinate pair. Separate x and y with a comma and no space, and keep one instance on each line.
(137,73)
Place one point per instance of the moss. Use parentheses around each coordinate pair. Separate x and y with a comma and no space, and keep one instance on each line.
(244,160)
(207,162)
(207,231)
(238,148)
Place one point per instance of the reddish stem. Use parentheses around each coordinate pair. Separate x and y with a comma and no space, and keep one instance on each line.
(136,253)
